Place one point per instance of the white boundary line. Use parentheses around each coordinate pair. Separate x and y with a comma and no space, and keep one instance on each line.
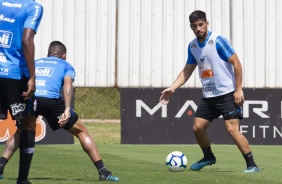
(100,120)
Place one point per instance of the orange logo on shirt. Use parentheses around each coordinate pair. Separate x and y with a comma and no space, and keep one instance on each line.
(207,74)
(8,128)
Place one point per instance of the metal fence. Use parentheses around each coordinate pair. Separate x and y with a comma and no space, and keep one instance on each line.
(97,103)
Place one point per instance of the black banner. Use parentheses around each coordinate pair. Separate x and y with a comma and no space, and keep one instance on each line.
(145,121)
(60,136)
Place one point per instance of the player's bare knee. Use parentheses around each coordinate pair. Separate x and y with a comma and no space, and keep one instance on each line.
(197,129)
(231,130)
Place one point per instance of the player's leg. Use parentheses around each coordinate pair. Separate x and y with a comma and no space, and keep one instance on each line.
(23,111)
(11,147)
(200,132)
(89,146)
(232,114)
(232,127)
(3,115)
(25,139)
(87,143)
(51,110)
(203,117)
(26,145)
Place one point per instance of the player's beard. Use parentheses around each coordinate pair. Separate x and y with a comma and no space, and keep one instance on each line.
(202,35)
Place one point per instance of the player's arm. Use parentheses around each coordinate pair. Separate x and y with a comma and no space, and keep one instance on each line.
(228,54)
(68,94)
(28,51)
(182,77)
(33,18)
(238,95)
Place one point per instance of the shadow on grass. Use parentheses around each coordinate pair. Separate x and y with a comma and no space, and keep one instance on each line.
(49,179)
(212,171)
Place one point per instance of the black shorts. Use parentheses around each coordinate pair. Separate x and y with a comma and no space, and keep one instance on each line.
(212,108)
(11,99)
(52,109)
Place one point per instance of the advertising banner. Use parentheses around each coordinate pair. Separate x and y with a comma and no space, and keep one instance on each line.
(144,120)
(44,134)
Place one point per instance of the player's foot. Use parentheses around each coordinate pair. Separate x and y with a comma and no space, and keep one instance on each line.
(251,169)
(107,176)
(1,173)
(23,182)
(202,163)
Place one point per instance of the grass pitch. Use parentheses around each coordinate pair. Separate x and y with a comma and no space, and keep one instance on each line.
(144,164)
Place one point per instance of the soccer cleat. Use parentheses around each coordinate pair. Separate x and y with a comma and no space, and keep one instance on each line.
(251,169)
(1,173)
(202,163)
(107,176)
(23,182)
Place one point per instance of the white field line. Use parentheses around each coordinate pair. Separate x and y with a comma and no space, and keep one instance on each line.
(100,120)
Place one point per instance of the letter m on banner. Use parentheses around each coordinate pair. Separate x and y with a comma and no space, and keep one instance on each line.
(140,104)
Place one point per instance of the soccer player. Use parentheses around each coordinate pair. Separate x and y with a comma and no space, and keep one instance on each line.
(57,109)
(19,20)
(220,72)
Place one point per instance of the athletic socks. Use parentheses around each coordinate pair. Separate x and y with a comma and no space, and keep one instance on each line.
(100,166)
(208,153)
(249,159)
(27,143)
(3,162)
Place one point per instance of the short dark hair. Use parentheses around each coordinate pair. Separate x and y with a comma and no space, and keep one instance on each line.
(197,15)
(57,48)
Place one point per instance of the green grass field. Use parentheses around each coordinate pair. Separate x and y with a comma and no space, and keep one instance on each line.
(134,164)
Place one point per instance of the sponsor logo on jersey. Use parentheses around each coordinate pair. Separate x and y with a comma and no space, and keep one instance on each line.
(202,58)
(209,87)
(193,45)
(6,19)
(40,82)
(44,71)
(3,58)
(35,17)
(46,61)
(207,73)
(6,39)
(210,42)
(41,92)
(4,71)
(12,5)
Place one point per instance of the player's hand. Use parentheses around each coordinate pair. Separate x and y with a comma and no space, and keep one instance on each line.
(64,118)
(166,94)
(30,89)
(239,97)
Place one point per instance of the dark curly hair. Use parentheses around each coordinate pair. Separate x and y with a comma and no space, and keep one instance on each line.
(197,15)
